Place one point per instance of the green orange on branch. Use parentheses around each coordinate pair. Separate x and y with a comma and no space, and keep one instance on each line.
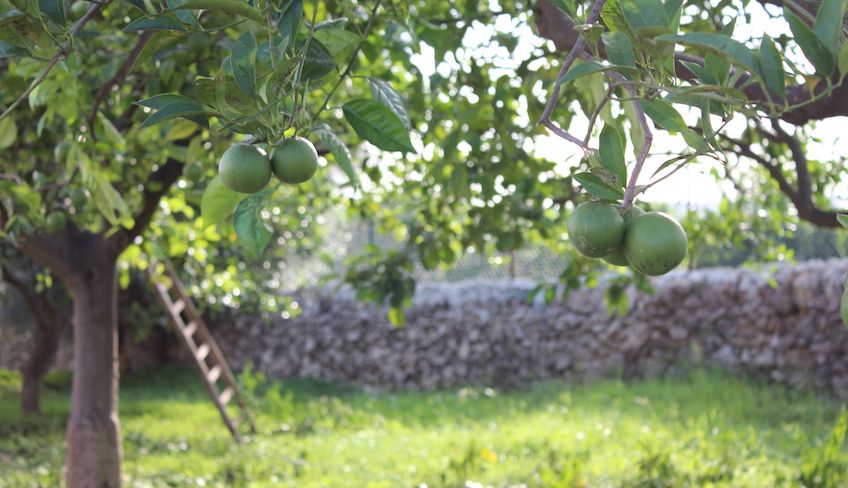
(78,198)
(618,257)
(294,161)
(596,229)
(55,222)
(244,169)
(655,243)
(194,172)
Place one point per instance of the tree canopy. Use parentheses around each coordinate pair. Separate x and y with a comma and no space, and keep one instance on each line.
(428,115)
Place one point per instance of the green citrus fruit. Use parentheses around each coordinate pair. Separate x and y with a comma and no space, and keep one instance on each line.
(194,172)
(55,222)
(244,169)
(843,307)
(617,257)
(655,243)
(596,229)
(60,152)
(295,160)
(78,197)
(78,9)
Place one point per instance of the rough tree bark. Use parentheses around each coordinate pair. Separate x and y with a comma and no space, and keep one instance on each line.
(41,358)
(94,443)
(86,263)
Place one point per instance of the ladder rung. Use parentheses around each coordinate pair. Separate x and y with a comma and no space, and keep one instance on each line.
(214,374)
(178,307)
(202,352)
(190,328)
(226,396)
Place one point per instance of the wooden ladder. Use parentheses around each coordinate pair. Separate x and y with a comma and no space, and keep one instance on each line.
(193,333)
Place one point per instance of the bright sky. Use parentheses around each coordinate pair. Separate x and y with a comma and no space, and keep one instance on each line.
(690,186)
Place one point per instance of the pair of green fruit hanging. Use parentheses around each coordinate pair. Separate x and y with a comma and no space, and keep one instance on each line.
(653,243)
(244,169)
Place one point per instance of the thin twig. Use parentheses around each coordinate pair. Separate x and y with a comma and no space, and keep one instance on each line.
(299,69)
(62,53)
(607,97)
(352,60)
(576,50)
(648,138)
(13,177)
(119,77)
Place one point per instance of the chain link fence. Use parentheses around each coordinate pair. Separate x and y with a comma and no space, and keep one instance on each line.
(535,263)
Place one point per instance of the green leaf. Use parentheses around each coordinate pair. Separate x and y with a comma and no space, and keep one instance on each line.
(54,10)
(667,118)
(717,66)
(9,51)
(159,101)
(397,317)
(686,158)
(288,23)
(107,199)
(218,202)
(319,62)
(252,232)
(162,22)
(619,49)
(828,22)
(174,110)
(340,42)
(234,7)
(842,219)
(338,150)
(720,44)
(818,54)
(383,92)
(582,69)
(612,153)
(772,68)
(673,9)
(378,125)
(8,132)
(842,61)
(243,61)
(598,187)
(664,115)
(644,13)
(184,16)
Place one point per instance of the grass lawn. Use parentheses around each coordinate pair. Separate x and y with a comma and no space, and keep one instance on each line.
(699,429)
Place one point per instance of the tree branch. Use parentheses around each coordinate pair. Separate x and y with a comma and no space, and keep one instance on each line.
(28,294)
(119,78)
(805,187)
(802,201)
(156,187)
(553,24)
(351,62)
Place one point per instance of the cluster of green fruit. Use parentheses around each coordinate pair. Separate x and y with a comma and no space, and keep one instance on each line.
(244,169)
(653,243)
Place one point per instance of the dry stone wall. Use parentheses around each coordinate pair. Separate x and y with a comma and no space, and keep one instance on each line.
(782,324)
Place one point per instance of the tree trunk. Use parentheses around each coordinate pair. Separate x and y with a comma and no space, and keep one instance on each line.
(94,447)
(39,362)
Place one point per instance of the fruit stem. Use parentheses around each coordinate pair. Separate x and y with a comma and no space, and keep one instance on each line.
(647,139)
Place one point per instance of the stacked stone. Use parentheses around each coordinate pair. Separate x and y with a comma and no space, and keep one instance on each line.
(781,323)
